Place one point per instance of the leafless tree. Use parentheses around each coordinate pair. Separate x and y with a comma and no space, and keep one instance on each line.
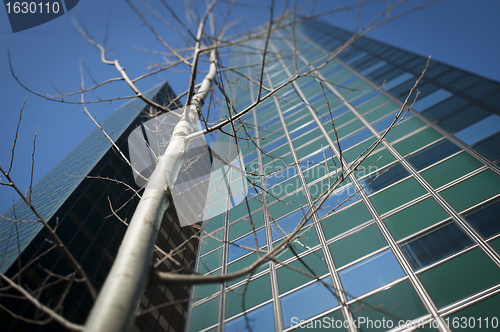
(205,60)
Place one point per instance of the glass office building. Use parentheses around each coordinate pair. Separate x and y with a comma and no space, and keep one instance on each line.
(76,195)
(410,236)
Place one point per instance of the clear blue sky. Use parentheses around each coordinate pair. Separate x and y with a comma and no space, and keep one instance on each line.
(462,33)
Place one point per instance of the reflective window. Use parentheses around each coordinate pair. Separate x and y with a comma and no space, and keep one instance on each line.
(363,98)
(317,158)
(338,200)
(287,224)
(248,295)
(370,273)
(431,100)
(463,118)
(489,148)
(280,176)
(383,178)
(373,68)
(384,123)
(398,301)
(354,139)
(357,245)
(435,244)
(459,277)
(446,107)
(480,130)
(307,302)
(302,129)
(485,218)
(209,310)
(260,319)
(244,245)
(432,154)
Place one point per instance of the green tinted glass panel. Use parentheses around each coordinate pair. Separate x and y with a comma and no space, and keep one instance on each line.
(289,279)
(478,317)
(244,226)
(247,296)
(344,220)
(495,244)
(339,121)
(381,111)
(415,218)
(356,245)
(396,195)
(372,104)
(285,187)
(478,188)
(214,223)
(212,241)
(210,262)
(398,302)
(243,263)
(286,205)
(201,291)
(210,313)
(448,170)
(242,209)
(347,129)
(279,161)
(354,152)
(417,141)
(374,162)
(315,133)
(303,243)
(404,128)
(462,276)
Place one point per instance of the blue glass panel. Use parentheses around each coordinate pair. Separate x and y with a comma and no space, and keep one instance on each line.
(381,179)
(335,113)
(357,137)
(249,157)
(317,158)
(435,244)
(480,130)
(302,130)
(307,302)
(485,218)
(370,273)
(273,145)
(367,96)
(235,247)
(260,319)
(433,154)
(397,81)
(248,192)
(287,224)
(431,100)
(373,68)
(385,122)
(339,199)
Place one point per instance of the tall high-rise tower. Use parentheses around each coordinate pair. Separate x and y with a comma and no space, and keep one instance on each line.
(411,236)
(87,196)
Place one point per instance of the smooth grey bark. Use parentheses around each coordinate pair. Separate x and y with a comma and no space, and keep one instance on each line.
(116,303)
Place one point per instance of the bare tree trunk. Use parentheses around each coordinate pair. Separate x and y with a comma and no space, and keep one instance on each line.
(115,306)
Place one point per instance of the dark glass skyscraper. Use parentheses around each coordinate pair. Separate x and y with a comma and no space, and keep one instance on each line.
(76,196)
(410,236)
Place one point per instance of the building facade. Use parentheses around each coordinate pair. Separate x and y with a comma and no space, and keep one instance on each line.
(77,195)
(410,236)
